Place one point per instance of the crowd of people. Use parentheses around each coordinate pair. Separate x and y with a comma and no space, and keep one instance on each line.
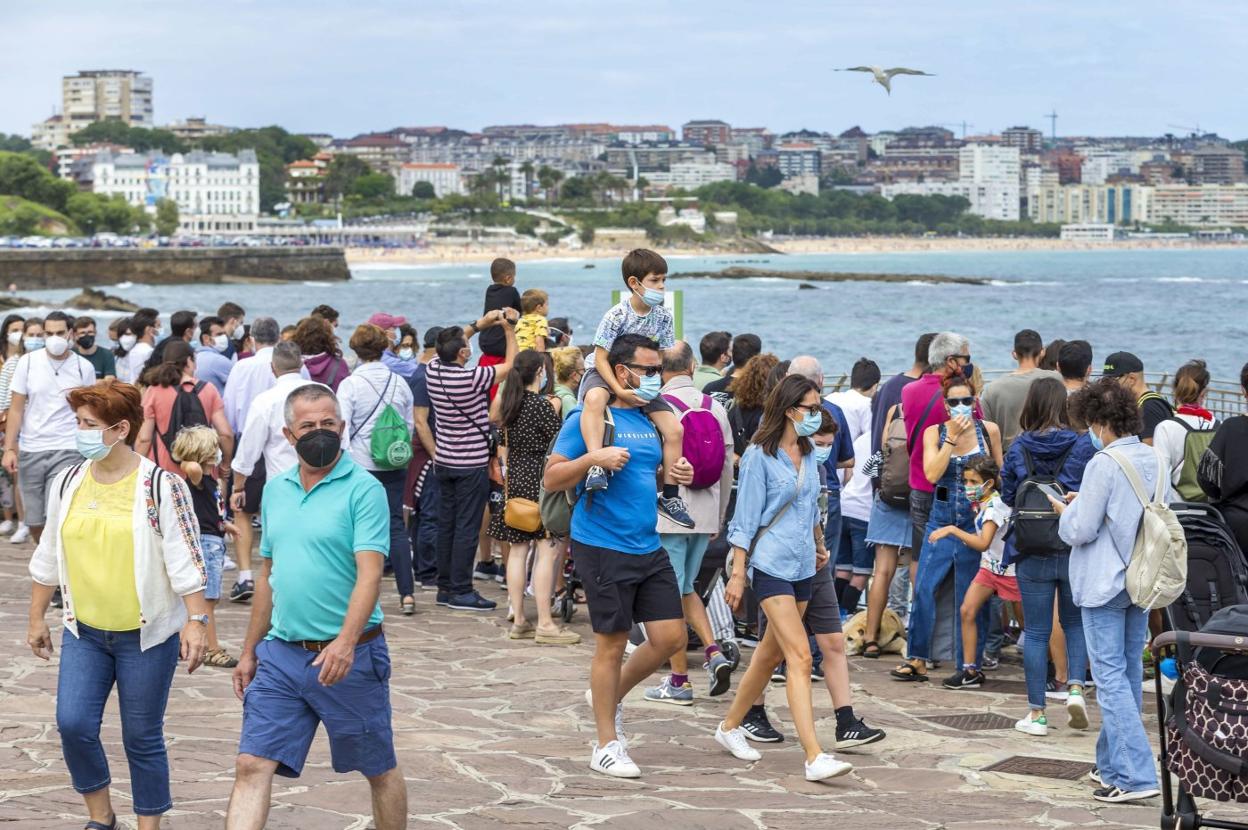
(442,458)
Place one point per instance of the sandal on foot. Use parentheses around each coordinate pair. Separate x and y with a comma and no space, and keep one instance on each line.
(221,659)
(408,606)
(908,673)
(96,825)
(871,650)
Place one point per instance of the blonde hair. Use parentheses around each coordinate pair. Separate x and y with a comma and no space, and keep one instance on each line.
(198,444)
(568,361)
(533,299)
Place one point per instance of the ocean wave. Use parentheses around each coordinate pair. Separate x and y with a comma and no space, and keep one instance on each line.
(394,266)
(124,285)
(1189,279)
(317,284)
(1010,283)
(1120,279)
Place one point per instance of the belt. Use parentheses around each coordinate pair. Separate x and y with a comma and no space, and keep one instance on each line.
(320,645)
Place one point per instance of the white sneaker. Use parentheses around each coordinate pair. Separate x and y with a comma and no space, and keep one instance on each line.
(22,535)
(1077,709)
(826,766)
(229,565)
(619,718)
(735,742)
(1038,727)
(613,760)
(7,527)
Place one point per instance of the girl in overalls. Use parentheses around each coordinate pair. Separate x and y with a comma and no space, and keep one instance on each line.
(947,449)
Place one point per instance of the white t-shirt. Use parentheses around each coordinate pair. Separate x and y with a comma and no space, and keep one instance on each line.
(856,496)
(857,409)
(47,422)
(363,395)
(134,361)
(994,510)
(1170,438)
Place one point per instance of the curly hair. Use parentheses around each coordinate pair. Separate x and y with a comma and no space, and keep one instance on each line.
(568,361)
(749,383)
(1108,403)
(312,336)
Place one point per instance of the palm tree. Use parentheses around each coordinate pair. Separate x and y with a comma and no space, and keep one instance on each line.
(549,179)
(502,177)
(527,170)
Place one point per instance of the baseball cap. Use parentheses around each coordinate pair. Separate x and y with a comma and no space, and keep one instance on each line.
(431,336)
(1122,363)
(386,321)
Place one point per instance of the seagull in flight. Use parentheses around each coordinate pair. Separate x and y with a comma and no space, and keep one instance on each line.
(884,77)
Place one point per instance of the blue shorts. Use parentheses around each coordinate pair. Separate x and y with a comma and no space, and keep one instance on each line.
(213,548)
(285,703)
(686,551)
(853,553)
(765,585)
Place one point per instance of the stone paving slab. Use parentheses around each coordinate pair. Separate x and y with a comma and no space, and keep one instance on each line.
(493,733)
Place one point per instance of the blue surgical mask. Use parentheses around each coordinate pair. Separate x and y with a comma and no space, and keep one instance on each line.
(33,344)
(961,411)
(809,424)
(1097,443)
(90,443)
(406,354)
(649,387)
(822,454)
(652,297)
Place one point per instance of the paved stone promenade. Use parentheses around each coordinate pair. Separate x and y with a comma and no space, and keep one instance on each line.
(496,734)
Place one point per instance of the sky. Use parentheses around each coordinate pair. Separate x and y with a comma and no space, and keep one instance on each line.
(1108,67)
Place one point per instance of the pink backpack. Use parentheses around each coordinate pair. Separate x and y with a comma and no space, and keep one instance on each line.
(704,441)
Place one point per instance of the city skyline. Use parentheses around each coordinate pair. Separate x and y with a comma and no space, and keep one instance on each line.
(1121,69)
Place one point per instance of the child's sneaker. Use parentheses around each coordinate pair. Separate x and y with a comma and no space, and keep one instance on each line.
(1038,727)
(674,508)
(595,479)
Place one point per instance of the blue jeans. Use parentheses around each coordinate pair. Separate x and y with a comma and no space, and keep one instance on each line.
(424,530)
(400,546)
(948,557)
(90,664)
(1039,578)
(1116,635)
(832,525)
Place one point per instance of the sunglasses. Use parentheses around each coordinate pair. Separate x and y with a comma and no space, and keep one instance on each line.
(968,401)
(648,371)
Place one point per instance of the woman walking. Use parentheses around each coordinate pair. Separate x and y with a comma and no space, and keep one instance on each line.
(528,421)
(161,400)
(123,549)
(11,348)
(776,538)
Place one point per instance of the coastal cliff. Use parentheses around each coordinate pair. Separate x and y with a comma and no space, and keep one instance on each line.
(77,268)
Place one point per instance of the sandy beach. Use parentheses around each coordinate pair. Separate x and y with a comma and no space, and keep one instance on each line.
(458,254)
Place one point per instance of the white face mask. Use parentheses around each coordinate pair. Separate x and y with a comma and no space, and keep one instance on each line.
(56,345)
(127,341)
(541,380)
(15,337)
(406,353)
(221,342)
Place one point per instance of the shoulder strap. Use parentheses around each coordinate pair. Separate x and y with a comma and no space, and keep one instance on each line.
(676,402)
(1133,475)
(706,402)
(69,476)
(442,383)
(914,434)
(1185,424)
(380,397)
(154,518)
(762,531)
(198,388)
(334,366)
(1061,462)
(1031,467)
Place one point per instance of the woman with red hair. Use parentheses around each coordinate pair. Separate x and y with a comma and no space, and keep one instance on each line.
(124,549)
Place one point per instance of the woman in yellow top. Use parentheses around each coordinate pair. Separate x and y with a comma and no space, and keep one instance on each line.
(125,552)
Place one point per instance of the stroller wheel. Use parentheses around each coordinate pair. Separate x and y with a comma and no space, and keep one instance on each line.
(567,607)
(732,651)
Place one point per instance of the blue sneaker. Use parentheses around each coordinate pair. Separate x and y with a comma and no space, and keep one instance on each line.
(719,670)
(471,601)
(595,479)
(665,692)
(676,510)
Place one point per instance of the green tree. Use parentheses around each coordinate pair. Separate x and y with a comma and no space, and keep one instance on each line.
(342,173)
(549,179)
(424,190)
(86,210)
(274,148)
(577,190)
(112,131)
(15,143)
(21,175)
(24,221)
(167,217)
(763,176)
(373,186)
(527,170)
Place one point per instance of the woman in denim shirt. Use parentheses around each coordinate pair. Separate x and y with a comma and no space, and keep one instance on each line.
(1100,524)
(776,528)
(947,448)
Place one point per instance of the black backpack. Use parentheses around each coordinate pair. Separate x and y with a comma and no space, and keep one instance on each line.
(1033,525)
(1217,574)
(187,411)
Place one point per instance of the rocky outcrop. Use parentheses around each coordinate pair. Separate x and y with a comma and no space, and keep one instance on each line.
(92,299)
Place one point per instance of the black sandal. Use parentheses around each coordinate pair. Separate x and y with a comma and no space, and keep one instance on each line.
(871,650)
(95,825)
(907,673)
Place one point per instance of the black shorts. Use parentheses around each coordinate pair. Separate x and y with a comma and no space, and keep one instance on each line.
(766,586)
(253,488)
(593,380)
(624,588)
(823,612)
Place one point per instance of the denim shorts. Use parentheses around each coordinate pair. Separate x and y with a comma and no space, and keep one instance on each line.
(285,704)
(213,548)
(765,585)
(854,553)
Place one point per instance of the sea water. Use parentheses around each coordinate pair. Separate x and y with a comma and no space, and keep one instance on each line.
(1167,306)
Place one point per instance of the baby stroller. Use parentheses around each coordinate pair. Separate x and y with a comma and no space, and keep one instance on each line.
(565,600)
(1217,573)
(1204,723)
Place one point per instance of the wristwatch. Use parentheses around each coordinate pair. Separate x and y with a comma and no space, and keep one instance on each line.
(200,618)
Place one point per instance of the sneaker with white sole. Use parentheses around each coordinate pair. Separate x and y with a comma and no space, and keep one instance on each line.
(7,527)
(736,742)
(1077,709)
(1055,691)
(1095,775)
(22,534)
(826,766)
(619,718)
(665,692)
(613,760)
(719,672)
(1039,727)
(759,729)
(1114,795)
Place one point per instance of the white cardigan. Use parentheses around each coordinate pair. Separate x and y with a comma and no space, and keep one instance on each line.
(167,566)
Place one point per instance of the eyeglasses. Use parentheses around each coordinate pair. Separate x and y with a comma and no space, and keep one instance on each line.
(965,357)
(813,408)
(648,371)
(967,401)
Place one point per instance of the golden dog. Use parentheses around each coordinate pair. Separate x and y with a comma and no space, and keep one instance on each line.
(892,636)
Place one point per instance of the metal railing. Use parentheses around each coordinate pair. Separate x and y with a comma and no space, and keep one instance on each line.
(1224,399)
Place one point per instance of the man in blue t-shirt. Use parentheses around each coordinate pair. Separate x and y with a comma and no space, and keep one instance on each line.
(627,575)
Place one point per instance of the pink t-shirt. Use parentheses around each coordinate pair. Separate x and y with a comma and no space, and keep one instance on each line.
(914,399)
(158,405)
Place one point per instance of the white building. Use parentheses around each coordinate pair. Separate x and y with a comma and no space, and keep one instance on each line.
(445,178)
(50,133)
(1101,164)
(691,217)
(96,95)
(1209,204)
(988,178)
(692,175)
(216,193)
(1091,232)
(1083,204)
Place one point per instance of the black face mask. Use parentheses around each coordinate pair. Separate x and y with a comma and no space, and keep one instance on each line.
(319,447)
(968,371)
(86,341)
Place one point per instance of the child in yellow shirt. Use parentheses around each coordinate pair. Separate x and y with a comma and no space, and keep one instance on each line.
(532,328)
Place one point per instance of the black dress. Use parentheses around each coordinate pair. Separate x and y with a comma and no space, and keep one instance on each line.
(527,439)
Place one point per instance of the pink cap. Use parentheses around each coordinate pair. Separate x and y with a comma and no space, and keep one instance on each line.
(386,321)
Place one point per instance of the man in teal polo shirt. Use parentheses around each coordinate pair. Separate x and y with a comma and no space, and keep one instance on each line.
(315,652)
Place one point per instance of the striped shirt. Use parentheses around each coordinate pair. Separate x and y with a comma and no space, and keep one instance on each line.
(460,400)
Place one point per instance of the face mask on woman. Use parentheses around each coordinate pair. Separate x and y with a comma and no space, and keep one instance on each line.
(90,443)
(822,454)
(127,341)
(406,353)
(541,380)
(15,337)
(1097,443)
(962,410)
(809,424)
(33,344)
